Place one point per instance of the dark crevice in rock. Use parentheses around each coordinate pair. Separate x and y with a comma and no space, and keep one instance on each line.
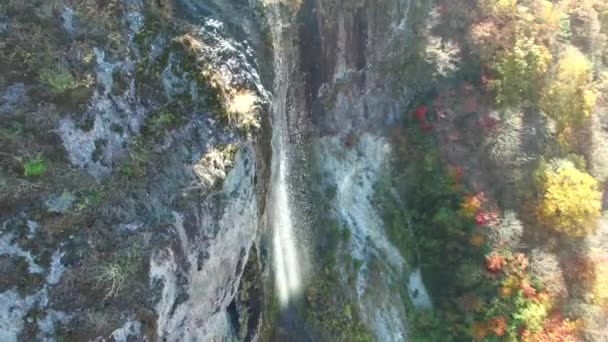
(314,63)
(245,310)
(357,40)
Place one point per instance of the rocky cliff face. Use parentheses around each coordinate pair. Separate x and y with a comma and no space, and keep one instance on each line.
(350,53)
(140,221)
(136,164)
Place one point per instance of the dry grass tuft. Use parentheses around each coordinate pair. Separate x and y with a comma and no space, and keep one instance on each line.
(215,165)
(242,111)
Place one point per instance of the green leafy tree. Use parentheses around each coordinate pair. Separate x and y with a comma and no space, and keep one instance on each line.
(520,72)
(530,314)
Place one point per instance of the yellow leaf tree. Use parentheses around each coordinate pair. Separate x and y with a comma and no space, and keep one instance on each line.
(571,201)
(569,97)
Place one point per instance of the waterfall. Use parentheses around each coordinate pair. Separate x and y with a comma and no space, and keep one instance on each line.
(287,267)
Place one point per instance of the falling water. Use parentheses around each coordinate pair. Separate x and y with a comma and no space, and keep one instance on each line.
(287,267)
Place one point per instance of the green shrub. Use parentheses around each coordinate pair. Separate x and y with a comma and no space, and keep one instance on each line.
(11,131)
(468,275)
(136,166)
(149,31)
(35,167)
(427,325)
(92,198)
(58,80)
(163,120)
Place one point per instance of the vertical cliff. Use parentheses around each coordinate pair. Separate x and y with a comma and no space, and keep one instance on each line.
(350,55)
(133,170)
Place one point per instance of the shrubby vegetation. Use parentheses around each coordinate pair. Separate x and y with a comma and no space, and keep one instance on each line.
(58,80)
(114,275)
(482,287)
(165,119)
(242,112)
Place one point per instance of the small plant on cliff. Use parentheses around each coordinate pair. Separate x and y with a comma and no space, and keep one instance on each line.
(215,165)
(115,275)
(163,120)
(571,201)
(35,167)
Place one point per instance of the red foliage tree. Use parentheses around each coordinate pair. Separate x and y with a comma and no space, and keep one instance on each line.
(527,289)
(480,218)
(420,113)
(518,264)
(557,329)
(495,263)
(498,326)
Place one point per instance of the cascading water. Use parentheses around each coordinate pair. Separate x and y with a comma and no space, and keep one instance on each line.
(287,267)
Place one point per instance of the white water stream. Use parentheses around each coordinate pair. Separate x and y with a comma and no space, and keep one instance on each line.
(287,261)
(287,268)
